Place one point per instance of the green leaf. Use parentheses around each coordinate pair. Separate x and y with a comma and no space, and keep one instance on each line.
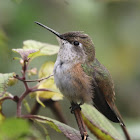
(98,124)
(68,131)
(44,48)
(25,54)
(13,128)
(4,81)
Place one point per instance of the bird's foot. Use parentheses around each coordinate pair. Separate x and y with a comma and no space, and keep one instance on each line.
(85,136)
(75,106)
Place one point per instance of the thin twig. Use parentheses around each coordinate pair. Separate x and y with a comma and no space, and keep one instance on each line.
(36,80)
(125,132)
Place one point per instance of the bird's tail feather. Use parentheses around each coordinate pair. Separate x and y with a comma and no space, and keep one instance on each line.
(121,123)
(108,110)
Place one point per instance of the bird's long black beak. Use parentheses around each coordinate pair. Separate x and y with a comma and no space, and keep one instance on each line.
(51,30)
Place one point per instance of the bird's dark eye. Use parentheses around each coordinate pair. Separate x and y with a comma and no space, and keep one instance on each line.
(76,43)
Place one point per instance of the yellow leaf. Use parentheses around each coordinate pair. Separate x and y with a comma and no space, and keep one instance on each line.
(54,93)
(46,69)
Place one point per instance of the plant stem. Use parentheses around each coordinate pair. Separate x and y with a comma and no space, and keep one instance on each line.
(19,103)
(77,112)
(5,98)
(27,90)
(39,80)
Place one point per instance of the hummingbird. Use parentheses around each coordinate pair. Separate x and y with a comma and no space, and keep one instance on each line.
(82,78)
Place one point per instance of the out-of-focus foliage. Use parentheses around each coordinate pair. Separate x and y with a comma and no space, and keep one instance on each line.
(3,38)
(13,128)
(18,129)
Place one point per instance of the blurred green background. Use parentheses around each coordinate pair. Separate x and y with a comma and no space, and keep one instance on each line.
(113,25)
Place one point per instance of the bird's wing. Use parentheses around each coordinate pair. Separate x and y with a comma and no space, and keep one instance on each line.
(104,92)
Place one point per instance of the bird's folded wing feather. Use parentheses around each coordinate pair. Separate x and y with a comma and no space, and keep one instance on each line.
(104,92)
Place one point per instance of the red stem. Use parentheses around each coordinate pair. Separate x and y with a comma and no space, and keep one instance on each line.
(27,90)
(5,98)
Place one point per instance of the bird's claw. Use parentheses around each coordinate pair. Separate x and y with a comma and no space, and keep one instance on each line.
(74,107)
(85,136)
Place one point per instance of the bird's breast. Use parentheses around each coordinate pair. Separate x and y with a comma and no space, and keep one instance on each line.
(73,82)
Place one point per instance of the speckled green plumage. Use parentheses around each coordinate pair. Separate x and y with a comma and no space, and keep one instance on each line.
(102,76)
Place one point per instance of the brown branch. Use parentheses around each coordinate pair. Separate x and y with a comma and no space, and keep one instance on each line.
(77,112)
(6,98)
(125,132)
(27,89)
(13,98)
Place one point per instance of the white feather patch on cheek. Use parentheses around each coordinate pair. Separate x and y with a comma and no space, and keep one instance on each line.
(81,45)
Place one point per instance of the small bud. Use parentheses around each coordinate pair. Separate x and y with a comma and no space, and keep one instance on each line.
(12,81)
(32,71)
(21,62)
